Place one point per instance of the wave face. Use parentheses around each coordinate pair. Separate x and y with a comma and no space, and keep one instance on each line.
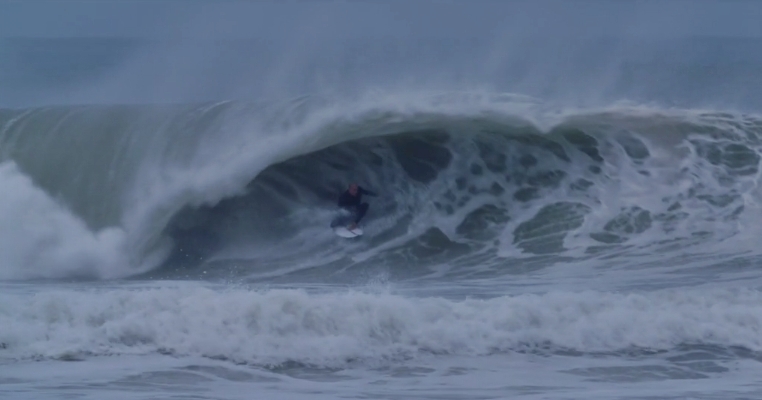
(470,186)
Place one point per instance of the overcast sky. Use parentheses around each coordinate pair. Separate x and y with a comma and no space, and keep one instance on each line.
(536,47)
(398,18)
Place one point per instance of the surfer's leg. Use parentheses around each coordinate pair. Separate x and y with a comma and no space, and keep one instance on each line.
(361,210)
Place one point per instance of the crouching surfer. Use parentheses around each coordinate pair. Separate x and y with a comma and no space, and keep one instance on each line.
(351,200)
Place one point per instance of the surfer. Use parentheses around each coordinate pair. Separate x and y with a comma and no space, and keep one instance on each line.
(351,200)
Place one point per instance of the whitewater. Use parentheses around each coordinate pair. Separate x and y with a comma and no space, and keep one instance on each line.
(524,244)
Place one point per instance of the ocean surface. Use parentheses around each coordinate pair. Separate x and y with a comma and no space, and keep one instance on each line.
(590,242)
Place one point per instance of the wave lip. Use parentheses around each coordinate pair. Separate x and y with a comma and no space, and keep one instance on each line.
(331,330)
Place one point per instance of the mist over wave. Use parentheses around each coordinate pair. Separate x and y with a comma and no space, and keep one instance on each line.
(582,70)
(467,182)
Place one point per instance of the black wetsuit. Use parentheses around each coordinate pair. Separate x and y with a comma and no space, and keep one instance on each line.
(354,203)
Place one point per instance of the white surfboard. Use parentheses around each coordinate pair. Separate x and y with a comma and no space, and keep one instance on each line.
(346,233)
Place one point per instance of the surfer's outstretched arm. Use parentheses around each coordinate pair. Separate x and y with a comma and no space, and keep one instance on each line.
(368,192)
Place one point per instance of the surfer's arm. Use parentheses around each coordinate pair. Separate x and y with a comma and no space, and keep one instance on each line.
(368,192)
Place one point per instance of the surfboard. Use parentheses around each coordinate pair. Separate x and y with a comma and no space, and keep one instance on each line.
(342,231)
(340,223)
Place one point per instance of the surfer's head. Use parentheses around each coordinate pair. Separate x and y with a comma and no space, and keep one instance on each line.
(353,189)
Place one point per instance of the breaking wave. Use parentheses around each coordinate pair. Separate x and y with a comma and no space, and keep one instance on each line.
(470,185)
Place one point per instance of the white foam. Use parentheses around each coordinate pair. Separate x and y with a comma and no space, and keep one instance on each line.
(332,329)
(40,238)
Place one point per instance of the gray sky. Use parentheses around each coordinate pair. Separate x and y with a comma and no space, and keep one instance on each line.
(545,48)
(399,18)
